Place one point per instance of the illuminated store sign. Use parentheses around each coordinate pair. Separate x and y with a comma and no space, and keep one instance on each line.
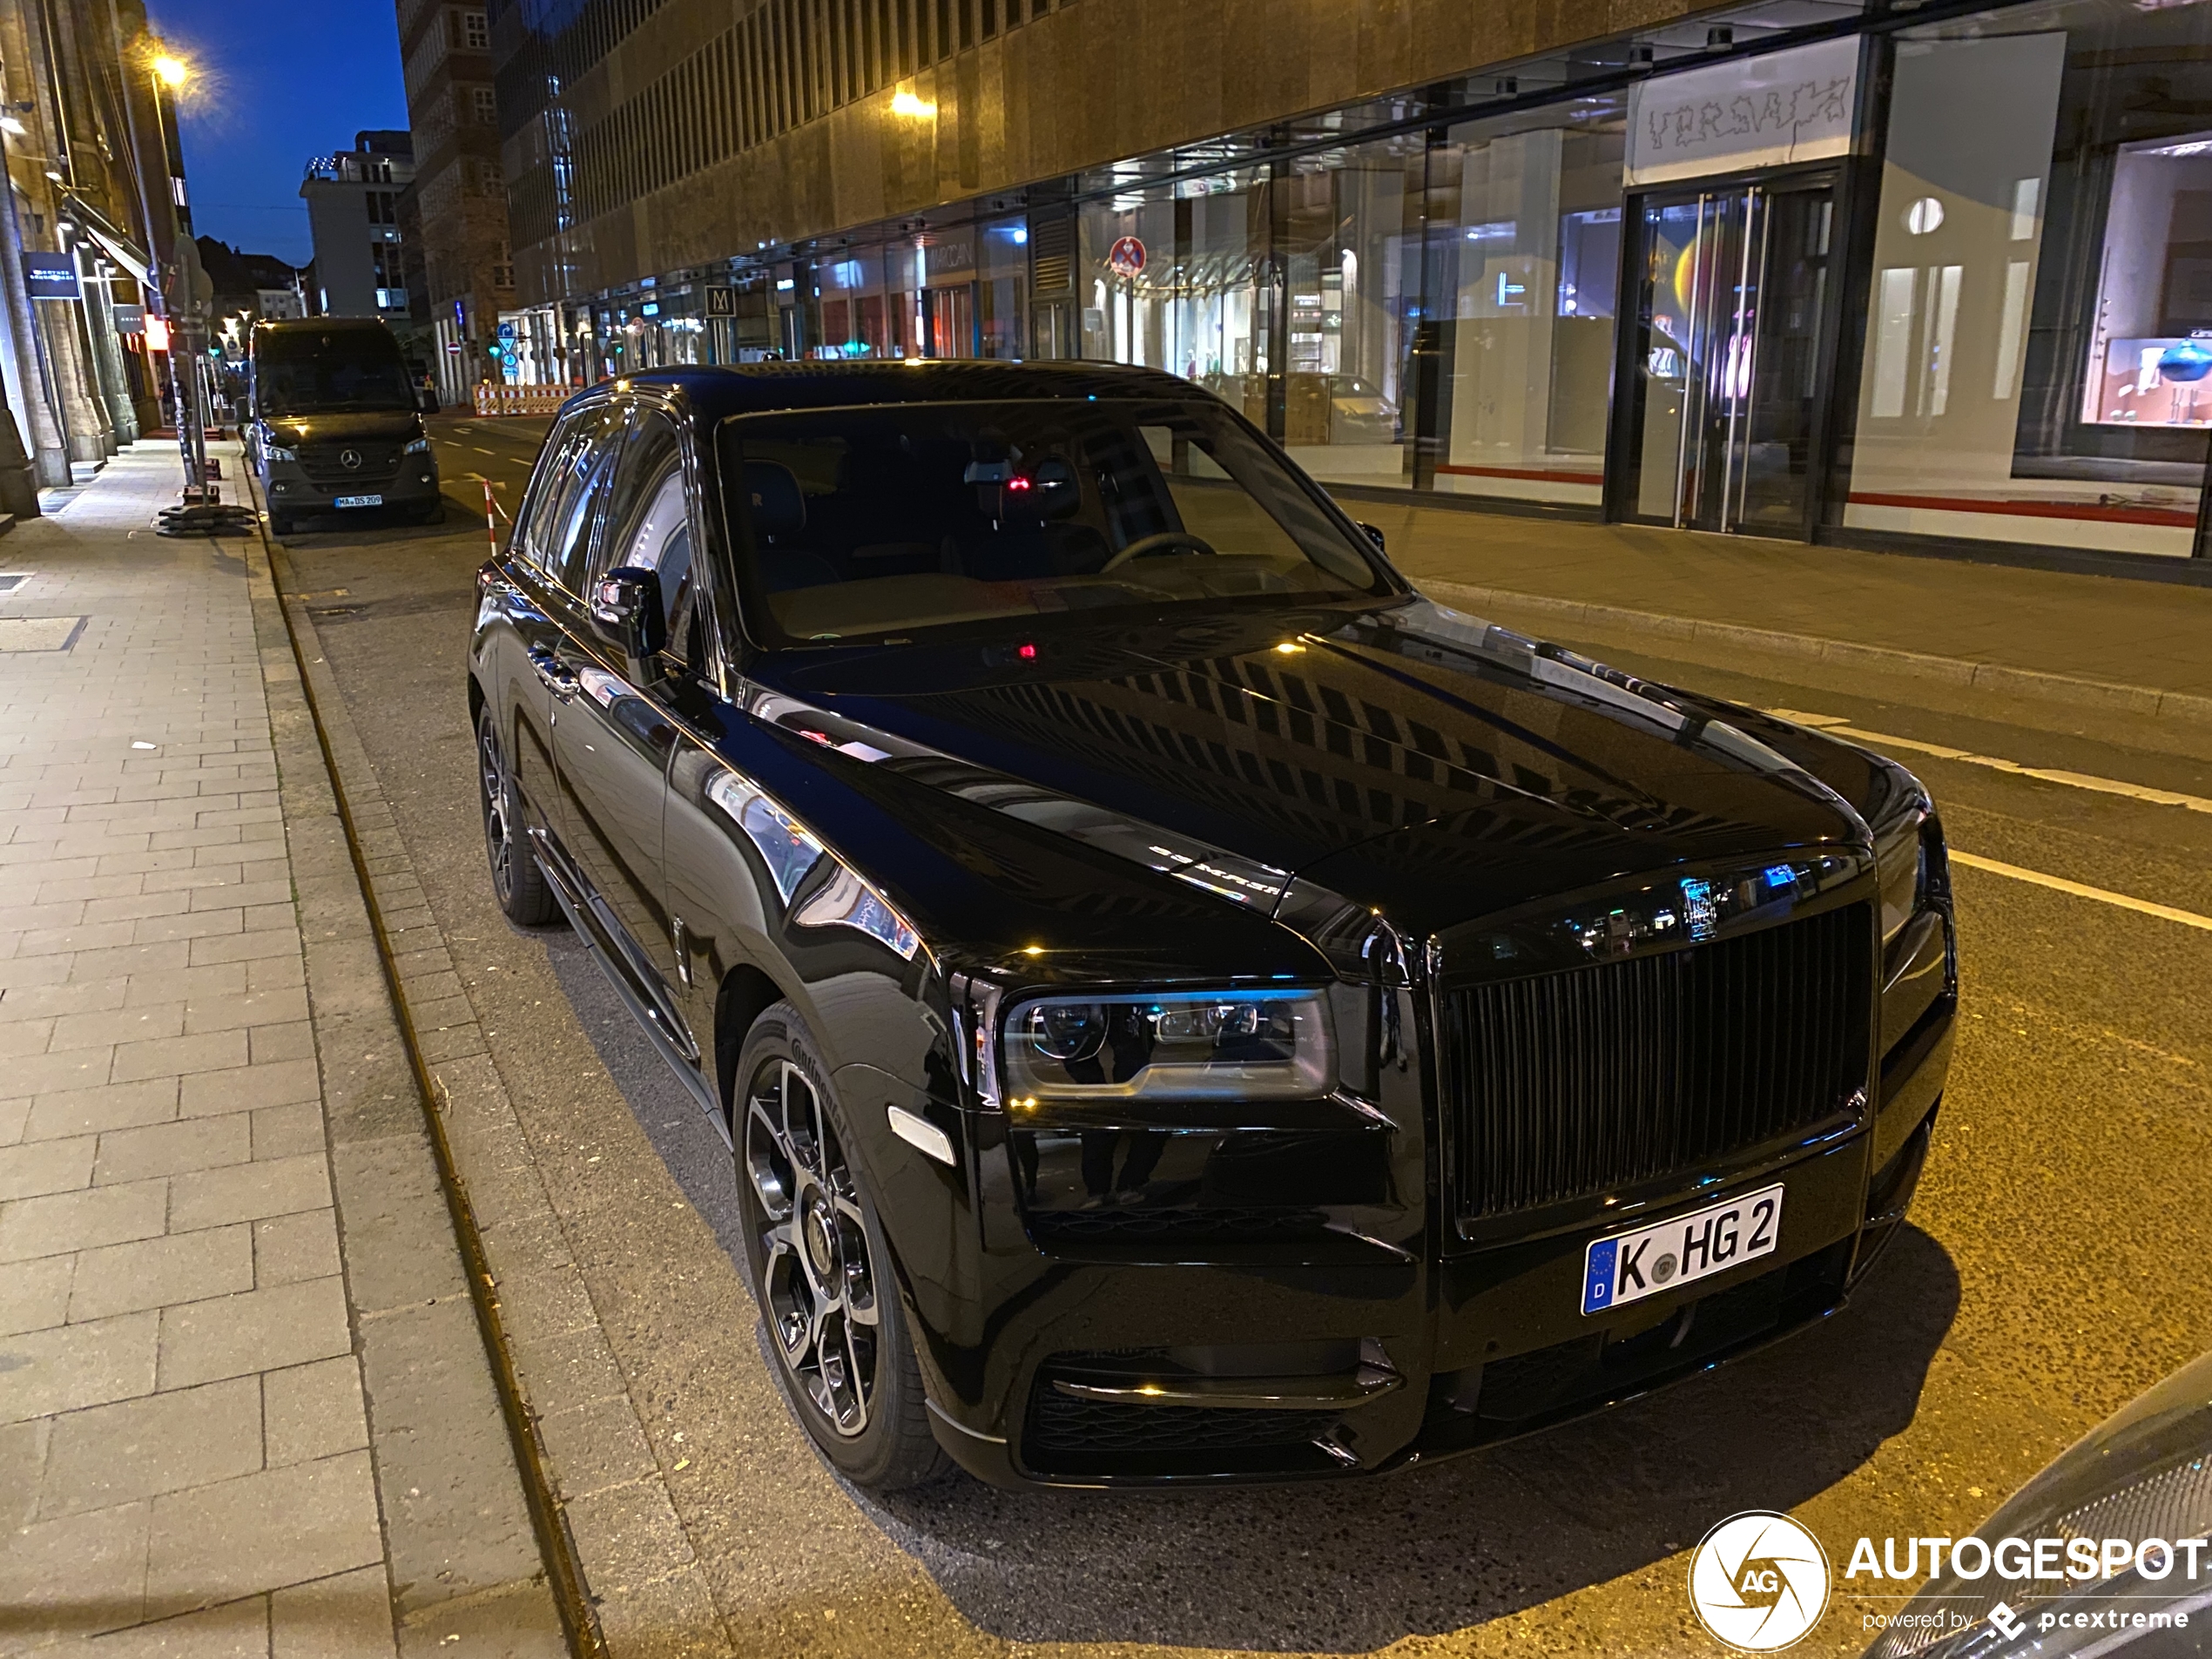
(1766,112)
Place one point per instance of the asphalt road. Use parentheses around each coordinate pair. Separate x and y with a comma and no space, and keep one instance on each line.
(2053,1269)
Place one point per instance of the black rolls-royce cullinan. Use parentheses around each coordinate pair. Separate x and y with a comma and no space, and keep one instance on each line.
(1184,1005)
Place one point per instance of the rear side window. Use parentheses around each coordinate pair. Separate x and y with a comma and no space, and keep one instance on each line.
(649,525)
(557,536)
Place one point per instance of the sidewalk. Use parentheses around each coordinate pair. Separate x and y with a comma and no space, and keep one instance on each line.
(2109,631)
(245,1408)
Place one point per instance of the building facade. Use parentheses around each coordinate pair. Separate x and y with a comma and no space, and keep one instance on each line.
(90,155)
(353,216)
(460,190)
(1926,276)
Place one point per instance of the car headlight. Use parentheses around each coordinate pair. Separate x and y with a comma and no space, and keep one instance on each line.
(416,447)
(277,452)
(1171,1045)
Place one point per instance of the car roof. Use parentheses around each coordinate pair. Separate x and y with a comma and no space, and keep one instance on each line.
(751,389)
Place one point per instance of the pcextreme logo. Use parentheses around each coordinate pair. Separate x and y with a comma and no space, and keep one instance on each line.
(1759,1582)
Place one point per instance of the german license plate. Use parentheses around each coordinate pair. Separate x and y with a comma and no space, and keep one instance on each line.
(359,501)
(1629,1266)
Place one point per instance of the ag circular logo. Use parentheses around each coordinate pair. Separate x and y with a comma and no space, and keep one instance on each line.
(1759,1582)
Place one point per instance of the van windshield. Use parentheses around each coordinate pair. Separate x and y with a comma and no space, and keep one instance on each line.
(861,522)
(345,370)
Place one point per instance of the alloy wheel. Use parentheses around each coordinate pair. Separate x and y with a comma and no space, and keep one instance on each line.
(499,840)
(818,1283)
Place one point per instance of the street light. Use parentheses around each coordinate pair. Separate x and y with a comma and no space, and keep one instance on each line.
(166,70)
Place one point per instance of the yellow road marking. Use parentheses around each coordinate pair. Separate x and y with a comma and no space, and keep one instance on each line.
(2102,895)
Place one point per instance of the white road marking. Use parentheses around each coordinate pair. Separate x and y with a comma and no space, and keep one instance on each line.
(1836,726)
(2102,895)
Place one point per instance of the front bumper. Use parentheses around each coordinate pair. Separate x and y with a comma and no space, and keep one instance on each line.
(1166,1374)
(289,489)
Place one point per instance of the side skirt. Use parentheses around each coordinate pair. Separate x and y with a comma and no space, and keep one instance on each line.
(583,917)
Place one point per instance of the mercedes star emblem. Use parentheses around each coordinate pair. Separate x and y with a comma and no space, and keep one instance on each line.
(350,460)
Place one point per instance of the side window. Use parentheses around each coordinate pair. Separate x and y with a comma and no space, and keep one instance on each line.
(541,507)
(649,525)
(558,536)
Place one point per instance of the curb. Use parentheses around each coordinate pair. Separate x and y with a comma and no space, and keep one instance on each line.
(1728,638)
(556,1544)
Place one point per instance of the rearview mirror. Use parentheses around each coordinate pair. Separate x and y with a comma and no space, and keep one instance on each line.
(626,605)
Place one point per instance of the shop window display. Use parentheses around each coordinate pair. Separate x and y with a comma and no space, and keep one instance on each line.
(1534,264)
(2036,366)
(1170,278)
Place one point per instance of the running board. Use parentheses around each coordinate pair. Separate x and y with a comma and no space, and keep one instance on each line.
(602,950)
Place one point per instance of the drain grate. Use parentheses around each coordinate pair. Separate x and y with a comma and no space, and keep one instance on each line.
(10,580)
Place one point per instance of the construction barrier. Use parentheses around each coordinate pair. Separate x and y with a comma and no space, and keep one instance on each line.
(498,399)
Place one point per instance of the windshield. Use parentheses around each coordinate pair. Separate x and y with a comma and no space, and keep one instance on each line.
(322,373)
(858,523)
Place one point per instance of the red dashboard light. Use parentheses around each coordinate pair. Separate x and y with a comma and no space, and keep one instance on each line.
(1027,653)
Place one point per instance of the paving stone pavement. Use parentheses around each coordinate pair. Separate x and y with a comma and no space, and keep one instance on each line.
(218,1215)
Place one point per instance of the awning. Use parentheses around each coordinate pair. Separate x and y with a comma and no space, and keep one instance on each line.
(120,247)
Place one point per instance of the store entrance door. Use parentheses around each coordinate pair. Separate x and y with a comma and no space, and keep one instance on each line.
(1722,360)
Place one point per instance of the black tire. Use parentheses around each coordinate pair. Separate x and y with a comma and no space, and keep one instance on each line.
(281,523)
(516,881)
(434,513)
(849,1371)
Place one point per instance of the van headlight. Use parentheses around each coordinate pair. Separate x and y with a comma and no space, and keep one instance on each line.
(416,447)
(277,452)
(1170,1045)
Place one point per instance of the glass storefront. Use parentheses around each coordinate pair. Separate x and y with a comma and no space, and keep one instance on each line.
(1531,258)
(1948,279)
(2039,332)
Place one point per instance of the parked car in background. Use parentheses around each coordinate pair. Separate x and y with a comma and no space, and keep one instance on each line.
(2143,1477)
(337,422)
(1183,1006)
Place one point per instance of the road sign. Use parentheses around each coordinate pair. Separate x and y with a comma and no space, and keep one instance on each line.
(51,276)
(1126,258)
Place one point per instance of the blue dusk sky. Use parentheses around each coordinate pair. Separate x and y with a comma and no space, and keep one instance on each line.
(279,83)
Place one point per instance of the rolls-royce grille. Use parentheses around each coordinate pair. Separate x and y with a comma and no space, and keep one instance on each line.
(1581,1081)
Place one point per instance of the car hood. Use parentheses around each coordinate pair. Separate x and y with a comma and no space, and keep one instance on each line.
(338,426)
(1405,759)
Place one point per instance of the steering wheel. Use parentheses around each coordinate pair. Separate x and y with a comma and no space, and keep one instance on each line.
(1158,541)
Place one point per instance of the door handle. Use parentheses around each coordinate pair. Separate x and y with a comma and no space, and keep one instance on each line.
(554,674)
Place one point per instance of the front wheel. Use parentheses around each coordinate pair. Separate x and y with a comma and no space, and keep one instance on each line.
(280,523)
(516,881)
(820,1270)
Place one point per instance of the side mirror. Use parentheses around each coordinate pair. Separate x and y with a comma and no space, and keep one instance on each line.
(1374,535)
(626,605)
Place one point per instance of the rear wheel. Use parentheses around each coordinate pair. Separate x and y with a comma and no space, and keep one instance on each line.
(820,1270)
(516,881)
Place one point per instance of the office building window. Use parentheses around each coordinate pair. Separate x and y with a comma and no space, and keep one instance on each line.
(483,105)
(474,31)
